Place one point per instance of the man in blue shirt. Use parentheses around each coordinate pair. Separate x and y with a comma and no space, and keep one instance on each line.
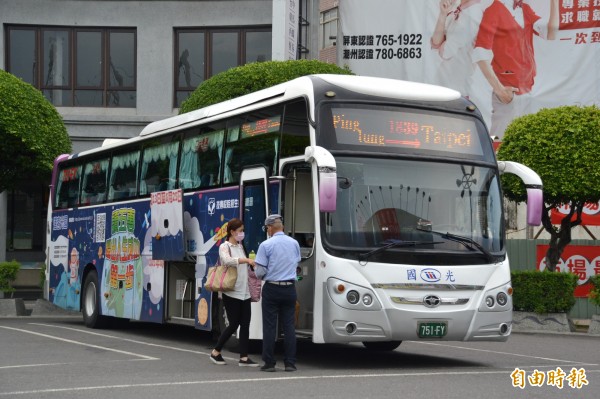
(276,262)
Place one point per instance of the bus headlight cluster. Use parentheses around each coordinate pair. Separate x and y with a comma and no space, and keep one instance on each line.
(352,296)
(502,298)
(497,299)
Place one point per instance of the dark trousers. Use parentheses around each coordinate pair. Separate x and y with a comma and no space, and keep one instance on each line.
(278,301)
(238,314)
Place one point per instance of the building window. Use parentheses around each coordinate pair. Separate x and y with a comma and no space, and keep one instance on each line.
(82,67)
(202,53)
(329,25)
(26,217)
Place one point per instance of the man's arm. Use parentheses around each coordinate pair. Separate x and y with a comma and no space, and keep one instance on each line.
(260,262)
(260,271)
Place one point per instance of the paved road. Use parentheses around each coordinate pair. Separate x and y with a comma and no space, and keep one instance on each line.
(58,357)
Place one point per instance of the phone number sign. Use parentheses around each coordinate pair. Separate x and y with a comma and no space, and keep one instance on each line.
(387,46)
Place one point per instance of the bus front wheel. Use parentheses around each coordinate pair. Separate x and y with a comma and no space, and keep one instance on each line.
(382,345)
(91,302)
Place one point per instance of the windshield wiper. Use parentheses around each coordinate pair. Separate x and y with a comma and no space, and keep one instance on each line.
(393,244)
(465,241)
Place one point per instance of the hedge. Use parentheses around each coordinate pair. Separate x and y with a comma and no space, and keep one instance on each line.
(594,295)
(543,292)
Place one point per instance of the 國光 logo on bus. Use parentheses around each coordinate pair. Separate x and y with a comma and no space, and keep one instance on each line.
(430,275)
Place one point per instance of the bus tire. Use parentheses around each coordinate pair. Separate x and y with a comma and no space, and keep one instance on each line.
(90,302)
(381,345)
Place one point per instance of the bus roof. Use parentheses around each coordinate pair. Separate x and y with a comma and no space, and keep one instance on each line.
(302,86)
(381,87)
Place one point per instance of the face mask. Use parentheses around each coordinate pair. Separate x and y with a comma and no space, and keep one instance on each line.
(240,237)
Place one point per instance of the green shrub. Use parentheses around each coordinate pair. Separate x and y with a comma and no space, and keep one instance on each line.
(594,295)
(32,132)
(8,274)
(252,77)
(543,292)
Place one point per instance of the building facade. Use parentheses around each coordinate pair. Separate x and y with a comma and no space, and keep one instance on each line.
(112,67)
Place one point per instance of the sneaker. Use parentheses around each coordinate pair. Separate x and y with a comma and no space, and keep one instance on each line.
(268,368)
(218,359)
(247,363)
(290,367)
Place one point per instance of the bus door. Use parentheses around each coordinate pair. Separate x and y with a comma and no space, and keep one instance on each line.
(254,207)
(299,221)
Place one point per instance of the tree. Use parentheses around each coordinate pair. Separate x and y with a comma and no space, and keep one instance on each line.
(31,131)
(252,77)
(561,145)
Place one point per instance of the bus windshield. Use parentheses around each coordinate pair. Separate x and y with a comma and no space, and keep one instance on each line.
(382,200)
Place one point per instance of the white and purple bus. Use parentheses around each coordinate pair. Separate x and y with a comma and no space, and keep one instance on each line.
(391,188)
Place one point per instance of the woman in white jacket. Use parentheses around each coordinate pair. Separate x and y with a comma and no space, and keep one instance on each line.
(453,38)
(237,302)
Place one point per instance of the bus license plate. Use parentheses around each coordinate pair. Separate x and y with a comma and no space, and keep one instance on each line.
(432,329)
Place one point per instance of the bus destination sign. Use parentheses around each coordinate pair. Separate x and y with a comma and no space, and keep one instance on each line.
(262,126)
(401,129)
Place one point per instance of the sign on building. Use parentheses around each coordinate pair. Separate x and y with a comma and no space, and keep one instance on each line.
(536,53)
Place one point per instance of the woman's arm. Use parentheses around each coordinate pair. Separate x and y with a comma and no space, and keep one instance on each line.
(225,255)
(439,34)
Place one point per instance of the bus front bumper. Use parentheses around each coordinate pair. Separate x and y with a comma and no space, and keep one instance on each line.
(345,325)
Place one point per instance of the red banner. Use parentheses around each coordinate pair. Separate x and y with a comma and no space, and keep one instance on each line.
(589,217)
(582,260)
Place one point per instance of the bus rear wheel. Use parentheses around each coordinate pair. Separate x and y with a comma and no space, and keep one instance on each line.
(381,345)
(90,304)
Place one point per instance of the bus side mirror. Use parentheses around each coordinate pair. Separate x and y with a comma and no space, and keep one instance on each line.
(327,176)
(533,184)
(535,203)
(327,190)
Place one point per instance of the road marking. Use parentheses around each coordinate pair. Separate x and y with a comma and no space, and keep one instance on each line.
(85,331)
(81,343)
(254,380)
(68,364)
(501,353)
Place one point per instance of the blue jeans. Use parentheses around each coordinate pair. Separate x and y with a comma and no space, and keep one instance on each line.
(279,301)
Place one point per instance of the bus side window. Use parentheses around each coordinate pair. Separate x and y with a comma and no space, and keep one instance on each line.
(209,157)
(295,132)
(159,168)
(67,187)
(93,189)
(252,140)
(123,176)
(200,164)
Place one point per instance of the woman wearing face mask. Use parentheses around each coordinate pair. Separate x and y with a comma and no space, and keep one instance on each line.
(237,302)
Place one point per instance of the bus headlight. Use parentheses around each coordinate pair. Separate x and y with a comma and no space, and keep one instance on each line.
(353,297)
(502,298)
(497,299)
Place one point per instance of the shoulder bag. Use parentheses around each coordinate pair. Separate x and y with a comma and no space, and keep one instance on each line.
(221,278)
(254,285)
